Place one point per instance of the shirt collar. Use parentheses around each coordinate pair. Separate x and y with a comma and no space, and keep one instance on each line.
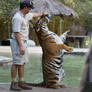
(21,14)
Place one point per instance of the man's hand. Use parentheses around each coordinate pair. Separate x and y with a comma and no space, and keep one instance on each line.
(40,14)
(22,50)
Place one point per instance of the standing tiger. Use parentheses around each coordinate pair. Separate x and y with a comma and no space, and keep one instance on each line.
(52,47)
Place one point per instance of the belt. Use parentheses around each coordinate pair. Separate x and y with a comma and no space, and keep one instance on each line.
(21,40)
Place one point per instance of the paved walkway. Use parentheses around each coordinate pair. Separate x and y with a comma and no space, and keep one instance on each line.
(6,49)
(5,88)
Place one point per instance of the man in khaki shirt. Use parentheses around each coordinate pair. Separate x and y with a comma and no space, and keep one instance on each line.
(20,28)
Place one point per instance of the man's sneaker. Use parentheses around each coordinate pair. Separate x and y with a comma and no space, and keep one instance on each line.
(14,86)
(24,85)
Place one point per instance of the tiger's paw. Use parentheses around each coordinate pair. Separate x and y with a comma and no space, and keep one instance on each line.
(62,86)
(70,49)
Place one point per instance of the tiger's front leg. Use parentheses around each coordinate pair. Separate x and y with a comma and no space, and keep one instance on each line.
(63,46)
(53,47)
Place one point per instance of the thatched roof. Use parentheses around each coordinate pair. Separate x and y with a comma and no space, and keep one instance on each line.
(54,7)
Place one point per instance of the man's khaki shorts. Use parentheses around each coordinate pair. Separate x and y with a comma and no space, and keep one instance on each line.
(18,58)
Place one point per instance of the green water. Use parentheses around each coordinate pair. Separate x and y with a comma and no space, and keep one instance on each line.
(33,71)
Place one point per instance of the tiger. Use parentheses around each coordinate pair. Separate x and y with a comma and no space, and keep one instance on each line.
(52,48)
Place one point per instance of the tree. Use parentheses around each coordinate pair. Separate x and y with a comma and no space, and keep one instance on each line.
(7,6)
(83,8)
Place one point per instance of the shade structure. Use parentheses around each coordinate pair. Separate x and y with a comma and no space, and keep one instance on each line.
(55,7)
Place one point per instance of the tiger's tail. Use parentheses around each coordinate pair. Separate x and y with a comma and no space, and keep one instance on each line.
(41,84)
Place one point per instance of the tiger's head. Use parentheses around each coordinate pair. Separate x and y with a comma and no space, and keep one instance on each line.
(41,23)
(42,28)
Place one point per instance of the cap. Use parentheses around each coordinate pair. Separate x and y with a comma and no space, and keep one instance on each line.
(27,3)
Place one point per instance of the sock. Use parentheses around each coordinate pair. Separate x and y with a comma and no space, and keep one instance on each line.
(21,80)
(14,79)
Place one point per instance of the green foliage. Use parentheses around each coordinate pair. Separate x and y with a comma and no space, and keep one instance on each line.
(7,6)
(83,8)
(88,24)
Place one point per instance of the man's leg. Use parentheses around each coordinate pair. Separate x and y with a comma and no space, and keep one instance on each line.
(13,72)
(21,72)
(22,84)
(14,84)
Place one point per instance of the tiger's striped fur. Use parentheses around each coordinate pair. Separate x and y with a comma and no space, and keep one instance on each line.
(52,47)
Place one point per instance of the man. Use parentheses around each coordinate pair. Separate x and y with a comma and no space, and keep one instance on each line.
(20,27)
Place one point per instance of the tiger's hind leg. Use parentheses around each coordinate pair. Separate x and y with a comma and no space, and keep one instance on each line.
(56,86)
(41,84)
(53,86)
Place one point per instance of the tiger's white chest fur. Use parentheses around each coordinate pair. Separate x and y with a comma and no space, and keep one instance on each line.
(56,37)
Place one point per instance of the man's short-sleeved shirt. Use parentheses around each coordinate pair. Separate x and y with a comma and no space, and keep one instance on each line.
(20,23)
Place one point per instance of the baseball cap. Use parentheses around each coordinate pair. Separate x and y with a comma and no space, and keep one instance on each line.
(27,3)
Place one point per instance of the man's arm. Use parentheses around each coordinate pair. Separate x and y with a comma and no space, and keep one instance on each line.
(40,14)
(22,50)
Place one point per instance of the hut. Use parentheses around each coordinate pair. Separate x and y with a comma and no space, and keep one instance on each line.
(57,9)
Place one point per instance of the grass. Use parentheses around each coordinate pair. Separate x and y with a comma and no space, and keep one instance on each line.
(73,68)
(33,71)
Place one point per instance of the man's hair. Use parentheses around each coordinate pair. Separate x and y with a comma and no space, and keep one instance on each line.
(26,3)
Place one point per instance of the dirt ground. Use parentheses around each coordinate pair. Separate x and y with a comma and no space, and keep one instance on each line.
(5,88)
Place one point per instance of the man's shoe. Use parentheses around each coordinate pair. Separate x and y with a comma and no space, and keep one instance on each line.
(24,85)
(14,86)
